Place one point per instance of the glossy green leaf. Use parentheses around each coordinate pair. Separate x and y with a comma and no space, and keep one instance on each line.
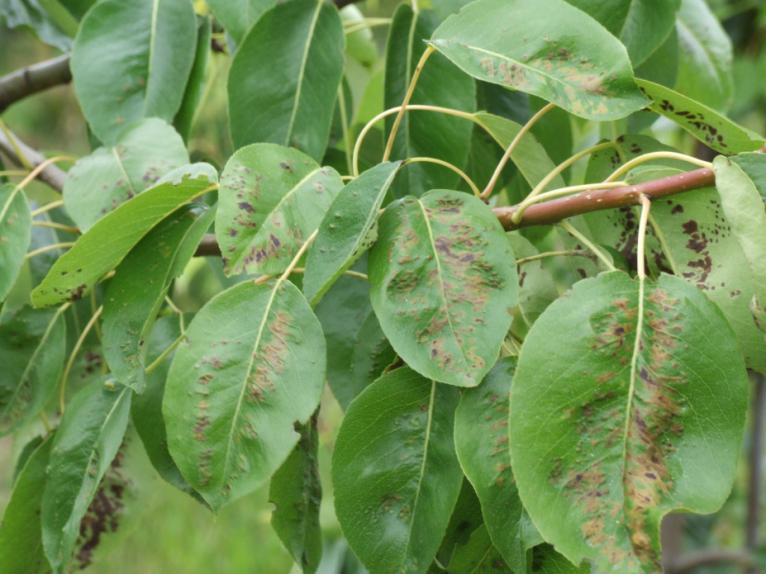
(704,123)
(103,247)
(395,474)
(636,399)
(271,200)
(704,72)
(32,352)
(529,156)
(237,16)
(251,366)
(296,493)
(21,545)
(443,282)
(347,230)
(357,349)
(88,438)
(146,408)
(425,134)
(641,25)
(137,291)
(131,60)
(107,178)
(15,235)
(569,60)
(481,441)
(740,181)
(284,79)
(478,556)
(195,86)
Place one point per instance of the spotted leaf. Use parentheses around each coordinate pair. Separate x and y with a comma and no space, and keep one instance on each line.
(481,441)
(131,60)
(271,200)
(569,60)
(88,438)
(103,180)
(106,244)
(296,493)
(442,283)
(347,230)
(251,366)
(395,474)
(135,294)
(704,123)
(636,399)
(15,235)
(32,352)
(284,80)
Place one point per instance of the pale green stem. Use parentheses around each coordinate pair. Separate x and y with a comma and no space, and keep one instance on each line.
(569,228)
(51,247)
(448,165)
(636,161)
(545,255)
(509,151)
(407,97)
(73,356)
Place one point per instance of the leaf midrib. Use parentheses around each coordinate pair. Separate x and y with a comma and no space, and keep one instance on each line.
(440,274)
(302,72)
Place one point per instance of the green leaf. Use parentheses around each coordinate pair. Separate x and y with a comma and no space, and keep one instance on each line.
(714,130)
(741,181)
(443,282)
(54,27)
(357,349)
(425,134)
(146,408)
(481,441)
(641,25)
(284,79)
(636,398)
(547,561)
(131,60)
(271,200)
(32,352)
(705,65)
(103,247)
(88,438)
(568,59)
(478,556)
(347,230)
(237,16)
(296,493)
(136,293)
(15,235)
(195,87)
(395,474)
(251,366)
(21,545)
(102,181)
(529,156)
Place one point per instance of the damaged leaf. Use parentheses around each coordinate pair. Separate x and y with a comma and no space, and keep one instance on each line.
(442,283)
(272,198)
(251,366)
(569,60)
(636,399)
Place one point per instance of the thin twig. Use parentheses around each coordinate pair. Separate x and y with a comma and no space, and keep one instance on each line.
(33,79)
(20,153)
